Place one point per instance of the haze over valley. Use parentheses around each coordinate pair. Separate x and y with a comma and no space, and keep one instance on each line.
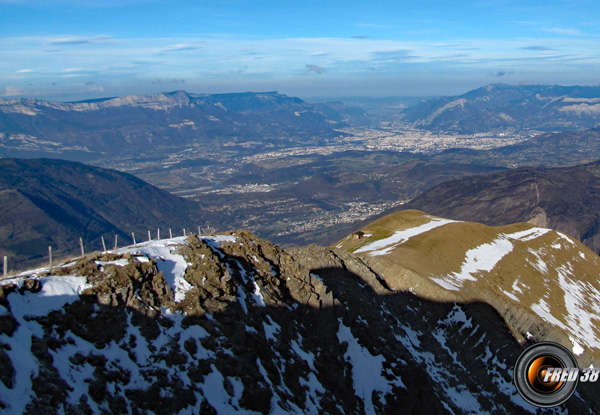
(296,172)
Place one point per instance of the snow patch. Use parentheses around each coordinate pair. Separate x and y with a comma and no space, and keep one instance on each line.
(480,259)
(272,329)
(119,262)
(528,234)
(366,370)
(308,357)
(257,295)
(168,261)
(386,245)
(56,292)
(577,349)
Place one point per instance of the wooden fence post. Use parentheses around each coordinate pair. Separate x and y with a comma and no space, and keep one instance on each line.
(103,243)
(133,237)
(170,234)
(81,245)
(158,234)
(50,255)
(5,266)
(184,232)
(149,236)
(116,236)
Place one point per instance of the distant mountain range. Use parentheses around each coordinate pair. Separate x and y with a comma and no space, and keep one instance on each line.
(567,199)
(131,125)
(510,107)
(48,202)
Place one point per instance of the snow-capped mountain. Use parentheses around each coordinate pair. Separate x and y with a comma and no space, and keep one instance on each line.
(233,324)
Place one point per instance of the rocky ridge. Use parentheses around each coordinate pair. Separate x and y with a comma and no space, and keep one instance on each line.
(234,324)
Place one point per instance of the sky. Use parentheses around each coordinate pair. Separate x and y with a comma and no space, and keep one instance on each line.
(70,50)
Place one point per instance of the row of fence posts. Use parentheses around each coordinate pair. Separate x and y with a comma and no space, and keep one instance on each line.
(104,245)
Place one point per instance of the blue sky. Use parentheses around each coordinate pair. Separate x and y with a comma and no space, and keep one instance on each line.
(80,49)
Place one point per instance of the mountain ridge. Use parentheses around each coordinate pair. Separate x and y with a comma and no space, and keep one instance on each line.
(525,272)
(129,125)
(231,323)
(518,107)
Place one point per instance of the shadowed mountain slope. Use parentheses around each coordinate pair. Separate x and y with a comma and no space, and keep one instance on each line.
(53,202)
(566,199)
(128,126)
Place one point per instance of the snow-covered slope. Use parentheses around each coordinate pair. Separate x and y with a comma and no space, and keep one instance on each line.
(544,274)
(233,324)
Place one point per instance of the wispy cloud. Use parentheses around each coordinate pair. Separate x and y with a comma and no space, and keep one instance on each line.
(12,91)
(563,31)
(134,61)
(24,71)
(179,47)
(168,81)
(537,48)
(400,55)
(501,73)
(373,26)
(80,40)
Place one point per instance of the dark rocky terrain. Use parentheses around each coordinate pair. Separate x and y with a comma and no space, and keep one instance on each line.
(566,199)
(245,327)
(511,107)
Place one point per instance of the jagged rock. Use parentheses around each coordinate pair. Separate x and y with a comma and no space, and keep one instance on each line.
(231,323)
